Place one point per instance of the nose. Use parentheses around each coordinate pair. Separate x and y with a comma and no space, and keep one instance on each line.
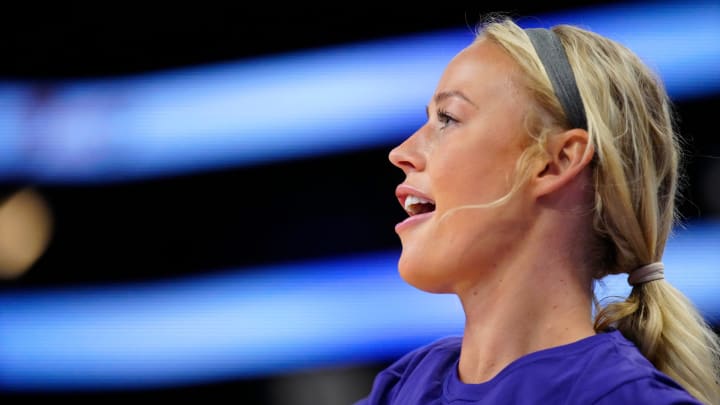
(408,156)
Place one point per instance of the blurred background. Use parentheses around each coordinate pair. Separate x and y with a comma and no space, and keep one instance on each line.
(196,199)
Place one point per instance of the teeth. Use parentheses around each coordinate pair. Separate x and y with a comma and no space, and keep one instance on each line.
(411,200)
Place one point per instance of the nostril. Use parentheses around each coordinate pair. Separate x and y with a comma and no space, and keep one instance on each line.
(405,164)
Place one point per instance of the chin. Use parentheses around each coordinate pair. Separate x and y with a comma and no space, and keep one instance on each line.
(421,275)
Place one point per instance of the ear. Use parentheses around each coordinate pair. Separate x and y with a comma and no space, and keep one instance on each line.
(568,154)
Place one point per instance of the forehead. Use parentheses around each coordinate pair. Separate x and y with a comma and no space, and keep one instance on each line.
(481,69)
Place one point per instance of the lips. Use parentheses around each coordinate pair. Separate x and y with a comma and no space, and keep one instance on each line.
(418,205)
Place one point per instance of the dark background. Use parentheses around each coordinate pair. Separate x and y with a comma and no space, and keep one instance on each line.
(170,226)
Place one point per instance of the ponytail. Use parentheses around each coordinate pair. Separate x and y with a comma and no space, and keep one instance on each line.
(671,333)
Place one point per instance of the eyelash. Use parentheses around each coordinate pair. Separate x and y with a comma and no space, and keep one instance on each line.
(445,118)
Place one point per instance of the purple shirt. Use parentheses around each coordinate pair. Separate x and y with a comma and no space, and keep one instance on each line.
(602,369)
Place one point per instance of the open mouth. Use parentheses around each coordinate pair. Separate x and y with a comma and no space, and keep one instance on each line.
(415,205)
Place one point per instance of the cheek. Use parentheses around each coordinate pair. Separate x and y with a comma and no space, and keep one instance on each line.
(474,176)
(474,185)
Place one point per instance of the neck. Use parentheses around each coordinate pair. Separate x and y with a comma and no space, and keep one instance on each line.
(535,301)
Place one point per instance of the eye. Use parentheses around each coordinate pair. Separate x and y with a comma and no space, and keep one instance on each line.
(445,119)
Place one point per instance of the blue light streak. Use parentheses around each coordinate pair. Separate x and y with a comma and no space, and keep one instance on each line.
(259,322)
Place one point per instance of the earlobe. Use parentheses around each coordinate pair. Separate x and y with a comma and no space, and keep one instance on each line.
(567,155)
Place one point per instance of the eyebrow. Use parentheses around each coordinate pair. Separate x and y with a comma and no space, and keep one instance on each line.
(443,95)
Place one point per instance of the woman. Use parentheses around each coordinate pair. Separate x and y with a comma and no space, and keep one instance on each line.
(549,160)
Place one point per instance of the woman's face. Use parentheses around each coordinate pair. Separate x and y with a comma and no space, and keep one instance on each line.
(464,154)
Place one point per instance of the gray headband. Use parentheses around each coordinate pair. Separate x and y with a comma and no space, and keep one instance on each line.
(553,56)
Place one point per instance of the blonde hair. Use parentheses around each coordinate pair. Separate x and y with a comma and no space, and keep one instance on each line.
(636,175)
